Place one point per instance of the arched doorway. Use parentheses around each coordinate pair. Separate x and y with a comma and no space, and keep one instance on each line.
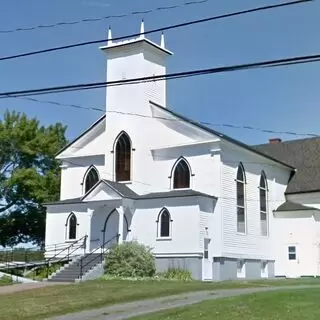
(111,229)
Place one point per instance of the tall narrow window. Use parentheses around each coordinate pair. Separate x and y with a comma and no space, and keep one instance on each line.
(263,190)
(92,178)
(72,227)
(241,214)
(123,158)
(164,222)
(181,175)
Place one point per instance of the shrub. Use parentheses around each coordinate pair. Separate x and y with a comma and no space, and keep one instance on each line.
(176,274)
(130,259)
(4,280)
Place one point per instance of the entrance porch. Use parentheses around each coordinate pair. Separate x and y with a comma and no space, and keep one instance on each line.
(108,226)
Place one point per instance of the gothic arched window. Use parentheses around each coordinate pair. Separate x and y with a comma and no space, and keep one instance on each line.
(72,226)
(91,179)
(181,175)
(164,224)
(241,210)
(123,158)
(263,197)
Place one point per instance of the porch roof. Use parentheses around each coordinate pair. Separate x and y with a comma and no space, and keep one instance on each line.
(291,206)
(125,192)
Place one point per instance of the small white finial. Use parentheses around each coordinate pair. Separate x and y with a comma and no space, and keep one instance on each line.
(162,44)
(109,36)
(142,29)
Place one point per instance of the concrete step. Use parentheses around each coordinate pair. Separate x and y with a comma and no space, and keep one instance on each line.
(72,272)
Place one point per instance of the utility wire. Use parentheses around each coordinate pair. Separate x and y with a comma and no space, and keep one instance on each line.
(244,127)
(251,199)
(178,75)
(184,24)
(96,19)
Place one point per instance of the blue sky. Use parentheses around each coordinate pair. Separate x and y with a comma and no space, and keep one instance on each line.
(281,99)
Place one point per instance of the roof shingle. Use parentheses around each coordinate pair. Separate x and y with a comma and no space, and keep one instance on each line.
(304,155)
(291,206)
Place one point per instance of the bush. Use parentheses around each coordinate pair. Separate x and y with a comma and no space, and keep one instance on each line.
(176,274)
(5,280)
(130,259)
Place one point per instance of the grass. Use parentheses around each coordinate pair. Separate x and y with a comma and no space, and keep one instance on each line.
(57,300)
(284,305)
(4,281)
(40,273)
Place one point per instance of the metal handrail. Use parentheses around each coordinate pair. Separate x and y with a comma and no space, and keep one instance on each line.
(67,256)
(70,246)
(20,254)
(102,247)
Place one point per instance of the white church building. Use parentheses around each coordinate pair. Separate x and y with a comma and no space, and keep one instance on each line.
(201,200)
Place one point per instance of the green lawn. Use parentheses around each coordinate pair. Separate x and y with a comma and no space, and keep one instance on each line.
(49,301)
(282,305)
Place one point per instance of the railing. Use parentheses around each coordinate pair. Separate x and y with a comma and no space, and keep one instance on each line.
(96,257)
(21,254)
(72,248)
(25,258)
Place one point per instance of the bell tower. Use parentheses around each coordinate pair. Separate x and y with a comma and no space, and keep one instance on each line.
(135,58)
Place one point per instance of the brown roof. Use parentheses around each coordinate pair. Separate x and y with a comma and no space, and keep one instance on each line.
(304,155)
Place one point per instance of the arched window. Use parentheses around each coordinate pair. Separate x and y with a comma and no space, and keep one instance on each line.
(164,224)
(72,227)
(91,179)
(123,158)
(263,191)
(181,175)
(241,211)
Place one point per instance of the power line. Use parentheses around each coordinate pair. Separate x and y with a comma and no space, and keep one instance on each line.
(184,24)
(245,127)
(170,189)
(96,19)
(178,75)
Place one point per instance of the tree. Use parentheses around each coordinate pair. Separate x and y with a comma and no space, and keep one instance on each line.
(29,176)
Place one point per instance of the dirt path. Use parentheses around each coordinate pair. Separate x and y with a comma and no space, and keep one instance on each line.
(137,308)
(26,286)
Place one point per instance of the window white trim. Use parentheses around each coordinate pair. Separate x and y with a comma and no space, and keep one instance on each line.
(159,225)
(264,231)
(243,207)
(91,168)
(114,152)
(67,225)
(171,177)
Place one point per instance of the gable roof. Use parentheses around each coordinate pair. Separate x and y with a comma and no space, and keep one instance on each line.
(303,154)
(95,124)
(221,135)
(291,206)
(120,188)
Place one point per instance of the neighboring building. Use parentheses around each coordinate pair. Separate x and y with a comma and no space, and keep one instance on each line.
(202,200)
(298,219)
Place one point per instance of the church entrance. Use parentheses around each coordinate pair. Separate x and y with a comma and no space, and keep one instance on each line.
(111,230)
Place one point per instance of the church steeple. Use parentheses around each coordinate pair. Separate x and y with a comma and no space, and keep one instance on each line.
(137,57)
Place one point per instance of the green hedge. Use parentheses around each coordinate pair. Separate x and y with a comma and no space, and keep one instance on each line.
(130,259)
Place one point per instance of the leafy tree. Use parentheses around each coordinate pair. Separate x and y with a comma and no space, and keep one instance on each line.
(29,176)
